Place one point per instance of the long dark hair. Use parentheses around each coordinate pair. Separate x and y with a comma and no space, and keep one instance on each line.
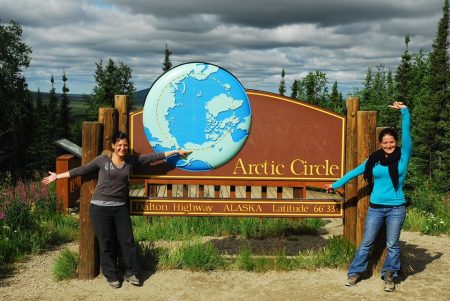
(119,136)
(389,160)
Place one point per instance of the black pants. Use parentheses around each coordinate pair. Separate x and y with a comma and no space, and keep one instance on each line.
(112,227)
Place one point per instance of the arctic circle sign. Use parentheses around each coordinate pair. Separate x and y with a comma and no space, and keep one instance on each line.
(201,107)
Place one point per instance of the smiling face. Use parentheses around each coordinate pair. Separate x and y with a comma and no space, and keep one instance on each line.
(388,144)
(120,148)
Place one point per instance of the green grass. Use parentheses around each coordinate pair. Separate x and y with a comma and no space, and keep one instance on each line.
(78,110)
(65,266)
(338,253)
(429,212)
(426,222)
(192,256)
(185,228)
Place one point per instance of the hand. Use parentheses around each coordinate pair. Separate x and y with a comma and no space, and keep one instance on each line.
(397,105)
(184,153)
(329,188)
(50,178)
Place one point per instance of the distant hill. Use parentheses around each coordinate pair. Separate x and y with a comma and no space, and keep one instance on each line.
(72,97)
(138,97)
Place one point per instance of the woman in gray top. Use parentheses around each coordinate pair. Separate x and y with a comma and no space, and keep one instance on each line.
(109,213)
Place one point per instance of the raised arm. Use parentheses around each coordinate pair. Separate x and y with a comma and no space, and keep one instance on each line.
(406,132)
(406,124)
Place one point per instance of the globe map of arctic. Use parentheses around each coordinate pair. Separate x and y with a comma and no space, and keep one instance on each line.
(199,107)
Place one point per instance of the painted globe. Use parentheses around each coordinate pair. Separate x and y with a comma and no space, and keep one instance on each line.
(199,107)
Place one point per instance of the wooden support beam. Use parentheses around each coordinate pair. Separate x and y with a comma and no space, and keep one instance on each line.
(108,118)
(88,267)
(367,123)
(351,161)
(121,105)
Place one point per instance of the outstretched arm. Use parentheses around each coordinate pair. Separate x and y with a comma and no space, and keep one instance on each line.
(53,176)
(347,177)
(153,157)
(181,152)
(77,171)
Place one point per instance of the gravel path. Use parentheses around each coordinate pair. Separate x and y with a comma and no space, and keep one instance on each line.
(426,258)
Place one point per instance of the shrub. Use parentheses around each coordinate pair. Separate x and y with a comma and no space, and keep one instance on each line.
(65,266)
(196,256)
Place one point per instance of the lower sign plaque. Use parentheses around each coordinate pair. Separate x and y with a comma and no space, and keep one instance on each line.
(238,207)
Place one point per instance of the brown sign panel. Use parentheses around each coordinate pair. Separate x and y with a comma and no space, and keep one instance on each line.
(288,140)
(235,207)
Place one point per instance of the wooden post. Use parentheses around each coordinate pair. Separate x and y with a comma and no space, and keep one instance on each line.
(351,161)
(121,105)
(108,118)
(367,122)
(64,189)
(380,251)
(88,267)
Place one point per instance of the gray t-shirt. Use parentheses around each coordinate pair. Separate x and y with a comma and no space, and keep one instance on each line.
(112,184)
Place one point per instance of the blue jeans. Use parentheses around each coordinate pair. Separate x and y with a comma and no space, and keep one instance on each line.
(393,217)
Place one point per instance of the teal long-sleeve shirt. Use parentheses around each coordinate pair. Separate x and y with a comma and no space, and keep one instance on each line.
(383,192)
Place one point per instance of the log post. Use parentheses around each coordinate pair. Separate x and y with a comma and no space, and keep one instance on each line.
(121,105)
(351,161)
(367,122)
(380,251)
(88,267)
(108,118)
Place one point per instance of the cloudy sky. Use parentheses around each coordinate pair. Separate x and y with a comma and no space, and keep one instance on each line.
(253,39)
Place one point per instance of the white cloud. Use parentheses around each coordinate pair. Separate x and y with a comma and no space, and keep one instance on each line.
(253,39)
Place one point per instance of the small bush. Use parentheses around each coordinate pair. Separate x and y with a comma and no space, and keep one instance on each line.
(65,266)
(338,252)
(244,261)
(29,223)
(196,256)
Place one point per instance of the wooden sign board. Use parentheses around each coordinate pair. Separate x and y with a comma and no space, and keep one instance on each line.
(288,140)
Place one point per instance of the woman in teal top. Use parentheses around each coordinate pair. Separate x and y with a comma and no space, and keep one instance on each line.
(385,171)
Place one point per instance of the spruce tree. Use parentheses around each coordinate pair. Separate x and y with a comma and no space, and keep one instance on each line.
(64,110)
(16,107)
(294,89)
(282,87)
(52,113)
(366,92)
(403,76)
(167,65)
(41,146)
(388,117)
(336,101)
(431,114)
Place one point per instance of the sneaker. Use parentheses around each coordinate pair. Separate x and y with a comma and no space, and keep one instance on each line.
(352,280)
(389,284)
(114,283)
(134,280)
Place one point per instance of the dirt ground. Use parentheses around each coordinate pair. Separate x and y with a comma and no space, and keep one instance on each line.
(426,258)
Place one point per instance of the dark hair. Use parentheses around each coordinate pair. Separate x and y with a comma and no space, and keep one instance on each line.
(387,131)
(120,136)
